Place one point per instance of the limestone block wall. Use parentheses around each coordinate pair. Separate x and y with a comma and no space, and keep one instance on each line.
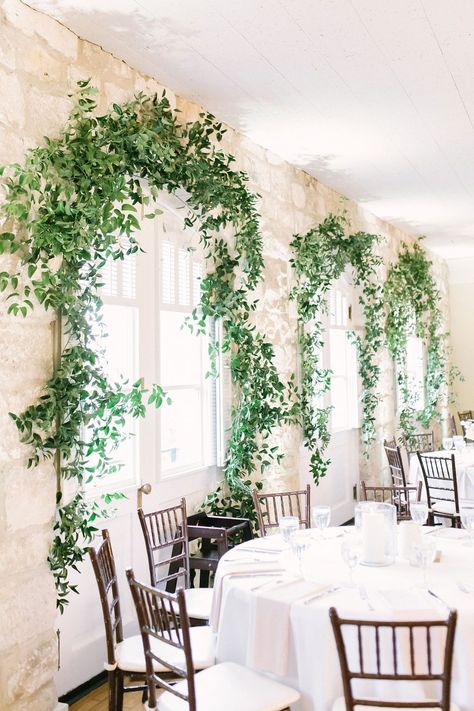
(40,62)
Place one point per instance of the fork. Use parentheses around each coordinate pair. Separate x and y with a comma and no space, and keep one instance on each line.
(365,597)
(322,593)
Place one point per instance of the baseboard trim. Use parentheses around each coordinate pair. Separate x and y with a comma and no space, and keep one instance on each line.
(83,689)
(62,707)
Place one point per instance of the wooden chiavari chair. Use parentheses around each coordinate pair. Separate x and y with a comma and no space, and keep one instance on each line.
(271,507)
(125,656)
(167,547)
(401,663)
(163,620)
(395,463)
(439,475)
(419,442)
(464,415)
(399,496)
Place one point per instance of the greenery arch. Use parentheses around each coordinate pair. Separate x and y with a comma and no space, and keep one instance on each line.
(320,257)
(412,301)
(66,212)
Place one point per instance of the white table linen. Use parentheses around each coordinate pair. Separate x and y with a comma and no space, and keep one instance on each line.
(464,470)
(301,651)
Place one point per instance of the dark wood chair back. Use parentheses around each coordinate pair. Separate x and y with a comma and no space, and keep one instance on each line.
(395,463)
(399,496)
(271,507)
(464,415)
(162,616)
(419,442)
(103,564)
(167,546)
(395,666)
(439,475)
(452,428)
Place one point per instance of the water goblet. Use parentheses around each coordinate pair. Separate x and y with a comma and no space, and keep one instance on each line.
(351,555)
(300,542)
(467,520)
(419,512)
(321,518)
(423,555)
(288,526)
(447,443)
(459,443)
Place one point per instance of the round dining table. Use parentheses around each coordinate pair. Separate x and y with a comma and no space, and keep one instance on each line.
(271,614)
(464,460)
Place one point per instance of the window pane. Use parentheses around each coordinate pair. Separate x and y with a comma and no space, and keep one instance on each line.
(180,350)
(338,345)
(120,344)
(181,430)
(339,402)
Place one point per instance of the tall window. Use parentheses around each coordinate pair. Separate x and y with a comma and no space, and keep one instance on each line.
(121,321)
(343,364)
(188,436)
(415,363)
(147,299)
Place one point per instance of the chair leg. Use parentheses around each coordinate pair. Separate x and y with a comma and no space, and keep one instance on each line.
(112,679)
(119,690)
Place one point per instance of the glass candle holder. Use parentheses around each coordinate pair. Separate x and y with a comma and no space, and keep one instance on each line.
(376,524)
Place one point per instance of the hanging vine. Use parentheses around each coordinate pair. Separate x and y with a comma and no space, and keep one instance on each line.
(71,207)
(320,257)
(412,299)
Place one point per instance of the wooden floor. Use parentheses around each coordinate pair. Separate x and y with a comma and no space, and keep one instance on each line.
(97,701)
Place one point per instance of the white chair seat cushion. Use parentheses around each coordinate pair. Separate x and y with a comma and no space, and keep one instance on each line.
(130,657)
(231,687)
(198,602)
(444,507)
(340,705)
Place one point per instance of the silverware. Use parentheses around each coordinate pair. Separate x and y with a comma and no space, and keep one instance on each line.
(365,597)
(322,593)
(266,582)
(253,549)
(440,599)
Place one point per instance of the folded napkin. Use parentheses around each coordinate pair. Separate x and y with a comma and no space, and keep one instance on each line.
(235,569)
(269,633)
(412,604)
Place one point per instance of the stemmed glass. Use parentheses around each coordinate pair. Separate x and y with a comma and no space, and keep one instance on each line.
(419,512)
(447,443)
(424,555)
(321,518)
(467,520)
(300,542)
(351,555)
(288,526)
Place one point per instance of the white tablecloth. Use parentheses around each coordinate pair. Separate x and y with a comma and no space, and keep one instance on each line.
(464,470)
(264,623)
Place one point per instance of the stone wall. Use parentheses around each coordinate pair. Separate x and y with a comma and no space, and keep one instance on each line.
(40,61)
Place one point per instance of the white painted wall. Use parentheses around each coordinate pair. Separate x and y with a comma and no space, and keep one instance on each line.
(461,290)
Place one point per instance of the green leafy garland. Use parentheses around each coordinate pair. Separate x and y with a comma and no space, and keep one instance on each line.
(71,207)
(412,300)
(320,257)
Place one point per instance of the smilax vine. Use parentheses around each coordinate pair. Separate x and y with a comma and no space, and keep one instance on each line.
(72,206)
(320,257)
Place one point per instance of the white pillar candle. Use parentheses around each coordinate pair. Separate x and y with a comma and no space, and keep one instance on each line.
(409,535)
(373,537)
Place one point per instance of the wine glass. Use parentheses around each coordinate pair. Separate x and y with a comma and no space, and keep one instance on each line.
(423,555)
(288,526)
(419,512)
(351,555)
(467,520)
(321,518)
(447,443)
(300,542)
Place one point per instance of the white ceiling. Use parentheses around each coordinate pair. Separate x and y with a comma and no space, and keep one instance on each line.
(374,97)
